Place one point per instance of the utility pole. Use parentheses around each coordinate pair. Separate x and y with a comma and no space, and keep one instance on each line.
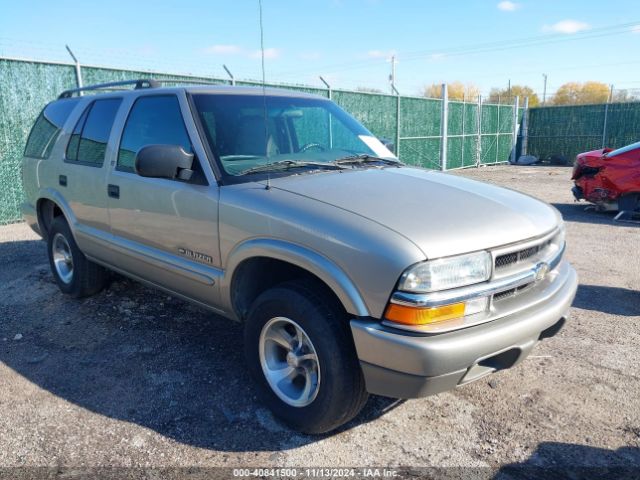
(509,88)
(544,91)
(611,93)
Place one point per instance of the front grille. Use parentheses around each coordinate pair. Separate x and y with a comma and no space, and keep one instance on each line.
(506,294)
(506,260)
(515,261)
(512,258)
(510,293)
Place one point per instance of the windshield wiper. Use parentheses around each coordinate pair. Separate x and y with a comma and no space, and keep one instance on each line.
(365,158)
(287,164)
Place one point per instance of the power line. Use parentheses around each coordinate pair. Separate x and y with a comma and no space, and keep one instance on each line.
(126,59)
(482,48)
(532,41)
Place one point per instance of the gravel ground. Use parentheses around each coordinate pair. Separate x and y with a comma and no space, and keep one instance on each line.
(134,378)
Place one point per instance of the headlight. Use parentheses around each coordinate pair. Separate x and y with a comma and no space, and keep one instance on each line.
(445,273)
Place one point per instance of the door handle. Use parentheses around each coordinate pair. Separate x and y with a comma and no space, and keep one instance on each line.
(113,191)
(62,180)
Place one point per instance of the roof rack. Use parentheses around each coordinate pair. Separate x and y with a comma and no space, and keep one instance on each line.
(141,83)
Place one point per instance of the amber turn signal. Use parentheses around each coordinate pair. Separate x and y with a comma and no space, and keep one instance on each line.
(423,316)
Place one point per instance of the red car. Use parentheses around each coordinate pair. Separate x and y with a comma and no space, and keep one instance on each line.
(609,178)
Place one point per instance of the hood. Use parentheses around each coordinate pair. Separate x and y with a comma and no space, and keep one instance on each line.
(442,214)
(592,155)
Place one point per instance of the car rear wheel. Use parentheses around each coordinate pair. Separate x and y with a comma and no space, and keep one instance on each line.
(73,272)
(300,352)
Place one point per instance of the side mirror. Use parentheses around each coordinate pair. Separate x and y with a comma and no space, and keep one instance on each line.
(164,161)
(388,143)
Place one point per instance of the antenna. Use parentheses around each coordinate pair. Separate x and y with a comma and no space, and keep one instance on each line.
(264,95)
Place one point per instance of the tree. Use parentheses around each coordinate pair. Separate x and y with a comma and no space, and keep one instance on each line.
(457,91)
(624,95)
(595,92)
(575,93)
(498,95)
(567,94)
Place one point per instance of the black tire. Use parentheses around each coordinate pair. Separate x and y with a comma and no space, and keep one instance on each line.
(629,202)
(87,278)
(341,393)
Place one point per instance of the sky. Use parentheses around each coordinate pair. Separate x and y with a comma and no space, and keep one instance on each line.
(348,42)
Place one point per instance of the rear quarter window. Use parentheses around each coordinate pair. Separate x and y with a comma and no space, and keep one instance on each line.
(88,143)
(47,128)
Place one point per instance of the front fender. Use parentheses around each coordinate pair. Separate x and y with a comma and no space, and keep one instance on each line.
(312,261)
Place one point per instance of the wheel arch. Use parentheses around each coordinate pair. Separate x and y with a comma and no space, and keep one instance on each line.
(51,204)
(250,261)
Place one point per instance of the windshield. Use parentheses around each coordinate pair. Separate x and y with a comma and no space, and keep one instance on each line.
(314,131)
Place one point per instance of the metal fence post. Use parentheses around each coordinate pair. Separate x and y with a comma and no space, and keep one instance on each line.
(77,66)
(514,140)
(330,118)
(604,123)
(444,127)
(326,84)
(525,127)
(464,109)
(398,126)
(498,132)
(395,90)
(479,143)
(233,79)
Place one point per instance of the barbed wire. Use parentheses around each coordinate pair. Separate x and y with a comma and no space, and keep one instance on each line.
(132,60)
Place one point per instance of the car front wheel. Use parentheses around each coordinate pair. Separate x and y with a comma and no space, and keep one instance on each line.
(300,351)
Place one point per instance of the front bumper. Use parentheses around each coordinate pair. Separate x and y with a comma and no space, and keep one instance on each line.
(400,364)
(577,192)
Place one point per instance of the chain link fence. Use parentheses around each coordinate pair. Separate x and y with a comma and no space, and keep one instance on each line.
(432,133)
(565,131)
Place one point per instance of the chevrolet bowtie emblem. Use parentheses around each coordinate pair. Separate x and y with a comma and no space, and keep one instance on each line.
(541,271)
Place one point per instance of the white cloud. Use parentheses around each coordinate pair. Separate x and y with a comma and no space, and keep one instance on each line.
(380,53)
(437,56)
(635,29)
(507,6)
(223,50)
(567,26)
(269,53)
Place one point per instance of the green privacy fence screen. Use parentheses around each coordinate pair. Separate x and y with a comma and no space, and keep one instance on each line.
(569,130)
(413,124)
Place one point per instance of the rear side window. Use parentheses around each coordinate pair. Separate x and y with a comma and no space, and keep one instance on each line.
(88,143)
(153,120)
(47,128)
(74,142)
